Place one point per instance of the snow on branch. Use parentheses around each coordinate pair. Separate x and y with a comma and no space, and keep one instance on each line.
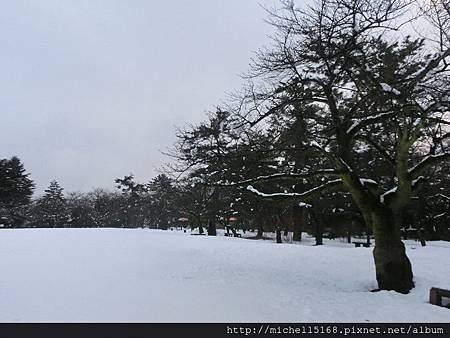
(443,196)
(388,89)
(280,176)
(346,164)
(427,162)
(308,193)
(416,181)
(365,181)
(359,123)
(387,193)
(440,215)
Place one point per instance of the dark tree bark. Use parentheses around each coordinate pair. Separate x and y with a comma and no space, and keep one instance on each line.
(212,228)
(349,231)
(393,268)
(298,223)
(260,232)
(318,229)
(422,237)
(278,235)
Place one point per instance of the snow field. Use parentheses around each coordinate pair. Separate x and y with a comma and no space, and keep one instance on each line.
(140,275)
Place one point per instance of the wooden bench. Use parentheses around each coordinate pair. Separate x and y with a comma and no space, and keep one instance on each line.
(436,296)
(233,235)
(198,234)
(364,244)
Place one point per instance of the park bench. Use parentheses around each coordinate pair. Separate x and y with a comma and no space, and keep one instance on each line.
(364,244)
(437,295)
(198,234)
(232,235)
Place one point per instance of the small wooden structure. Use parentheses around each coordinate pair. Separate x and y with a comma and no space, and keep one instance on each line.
(231,221)
(437,295)
(182,222)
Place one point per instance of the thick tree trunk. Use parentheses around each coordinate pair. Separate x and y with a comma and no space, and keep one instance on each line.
(212,228)
(393,268)
(298,223)
(297,236)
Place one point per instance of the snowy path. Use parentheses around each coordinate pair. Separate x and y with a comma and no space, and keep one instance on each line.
(153,276)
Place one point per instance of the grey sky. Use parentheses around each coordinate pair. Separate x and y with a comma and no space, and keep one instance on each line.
(91,90)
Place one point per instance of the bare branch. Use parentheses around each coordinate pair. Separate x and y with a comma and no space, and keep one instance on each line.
(428,162)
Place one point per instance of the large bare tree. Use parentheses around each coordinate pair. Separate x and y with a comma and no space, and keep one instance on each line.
(360,85)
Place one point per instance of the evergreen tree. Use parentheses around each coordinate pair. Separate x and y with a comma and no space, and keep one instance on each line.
(135,201)
(162,196)
(16,189)
(51,209)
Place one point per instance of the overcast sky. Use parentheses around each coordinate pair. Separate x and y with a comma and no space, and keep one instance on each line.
(92,90)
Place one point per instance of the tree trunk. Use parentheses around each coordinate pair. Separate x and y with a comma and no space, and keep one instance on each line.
(278,232)
(212,228)
(260,232)
(297,236)
(319,238)
(318,231)
(422,237)
(298,220)
(349,232)
(393,268)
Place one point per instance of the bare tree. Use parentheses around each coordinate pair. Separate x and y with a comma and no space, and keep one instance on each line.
(360,86)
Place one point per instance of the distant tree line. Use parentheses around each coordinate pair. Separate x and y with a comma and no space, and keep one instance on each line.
(165,203)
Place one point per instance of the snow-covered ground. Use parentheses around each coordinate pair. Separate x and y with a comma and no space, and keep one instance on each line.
(76,275)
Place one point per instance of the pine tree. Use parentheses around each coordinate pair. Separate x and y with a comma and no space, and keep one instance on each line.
(162,192)
(16,189)
(51,209)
